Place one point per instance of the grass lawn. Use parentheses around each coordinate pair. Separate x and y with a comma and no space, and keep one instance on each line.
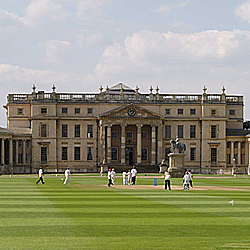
(89,215)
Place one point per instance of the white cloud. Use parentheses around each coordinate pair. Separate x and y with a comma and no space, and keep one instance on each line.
(84,39)
(55,50)
(89,9)
(16,76)
(38,11)
(156,57)
(44,10)
(168,7)
(243,11)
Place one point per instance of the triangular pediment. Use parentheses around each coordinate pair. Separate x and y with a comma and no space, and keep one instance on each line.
(131,111)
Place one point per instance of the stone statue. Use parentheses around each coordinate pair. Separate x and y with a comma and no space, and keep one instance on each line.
(177,147)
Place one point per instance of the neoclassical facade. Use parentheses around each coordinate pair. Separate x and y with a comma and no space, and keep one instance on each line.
(121,127)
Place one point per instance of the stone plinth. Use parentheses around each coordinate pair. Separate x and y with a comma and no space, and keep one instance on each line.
(176,165)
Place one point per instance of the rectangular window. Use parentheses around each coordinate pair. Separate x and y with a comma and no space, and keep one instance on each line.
(213,131)
(242,144)
(77,130)
(180,131)
(44,155)
(228,144)
(180,111)
(64,130)
(43,130)
(14,158)
(90,110)
(192,131)
(19,111)
(213,155)
(167,111)
(20,143)
(144,154)
(167,151)
(27,158)
(64,153)
(20,158)
(232,112)
(43,110)
(27,143)
(114,134)
(129,135)
(192,111)
(90,131)
(213,111)
(64,110)
(77,153)
(168,131)
(144,134)
(90,153)
(114,154)
(77,110)
(192,154)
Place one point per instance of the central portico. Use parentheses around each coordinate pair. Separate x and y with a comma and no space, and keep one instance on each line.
(131,135)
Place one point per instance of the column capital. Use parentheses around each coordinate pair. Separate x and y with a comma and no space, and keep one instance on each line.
(139,125)
(124,125)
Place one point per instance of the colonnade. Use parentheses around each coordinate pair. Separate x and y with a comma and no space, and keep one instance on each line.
(10,153)
(106,142)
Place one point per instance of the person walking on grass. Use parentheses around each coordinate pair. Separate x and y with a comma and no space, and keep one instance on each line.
(167,181)
(67,173)
(113,176)
(133,174)
(191,178)
(129,177)
(40,175)
(109,178)
(186,180)
(124,177)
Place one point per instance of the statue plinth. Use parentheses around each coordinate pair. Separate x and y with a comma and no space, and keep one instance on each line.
(176,164)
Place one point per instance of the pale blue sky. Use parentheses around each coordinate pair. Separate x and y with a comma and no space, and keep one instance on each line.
(79,45)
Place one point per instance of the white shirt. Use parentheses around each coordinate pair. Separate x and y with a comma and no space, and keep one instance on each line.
(40,173)
(124,175)
(133,172)
(67,172)
(113,174)
(186,179)
(167,177)
(190,175)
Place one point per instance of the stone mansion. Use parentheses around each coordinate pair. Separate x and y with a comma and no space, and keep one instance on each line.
(121,127)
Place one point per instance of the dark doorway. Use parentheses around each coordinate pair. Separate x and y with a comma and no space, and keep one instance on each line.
(129,155)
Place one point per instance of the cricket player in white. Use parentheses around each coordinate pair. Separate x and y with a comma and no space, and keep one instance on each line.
(191,178)
(113,176)
(133,174)
(40,175)
(67,173)
(124,178)
(186,180)
(129,177)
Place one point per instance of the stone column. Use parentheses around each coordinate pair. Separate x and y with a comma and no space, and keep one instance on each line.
(139,126)
(153,153)
(24,151)
(159,140)
(2,152)
(232,151)
(123,144)
(239,153)
(17,151)
(101,143)
(10,152)
(109,144)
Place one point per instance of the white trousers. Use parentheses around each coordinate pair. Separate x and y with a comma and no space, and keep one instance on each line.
(66,180)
